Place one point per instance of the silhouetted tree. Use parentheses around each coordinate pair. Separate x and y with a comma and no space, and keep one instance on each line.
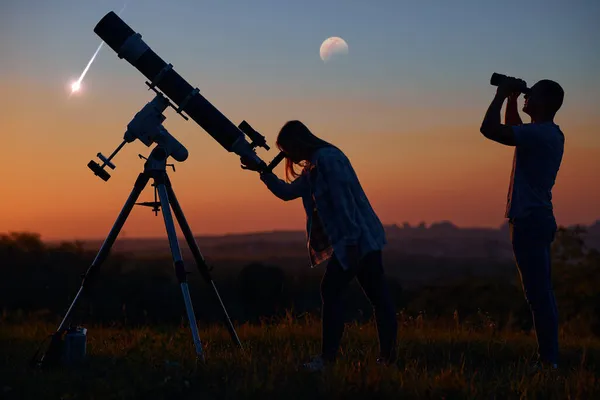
(35,276)
(569,245)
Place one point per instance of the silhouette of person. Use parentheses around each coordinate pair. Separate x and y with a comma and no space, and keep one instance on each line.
(341,227)
(539,147)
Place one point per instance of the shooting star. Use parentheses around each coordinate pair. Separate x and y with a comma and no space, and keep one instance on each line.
(76,85)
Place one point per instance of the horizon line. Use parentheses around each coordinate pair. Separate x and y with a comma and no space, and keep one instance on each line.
(301,231)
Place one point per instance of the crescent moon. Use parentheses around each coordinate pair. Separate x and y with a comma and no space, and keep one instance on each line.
(333,46)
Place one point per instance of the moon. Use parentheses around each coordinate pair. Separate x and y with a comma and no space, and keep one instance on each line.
(333,46)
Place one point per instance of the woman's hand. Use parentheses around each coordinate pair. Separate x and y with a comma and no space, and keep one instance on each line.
(249,164)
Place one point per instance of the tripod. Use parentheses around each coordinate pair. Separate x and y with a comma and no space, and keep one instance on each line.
(154,168)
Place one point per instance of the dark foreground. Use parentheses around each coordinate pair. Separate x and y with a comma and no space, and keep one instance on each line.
(158,363)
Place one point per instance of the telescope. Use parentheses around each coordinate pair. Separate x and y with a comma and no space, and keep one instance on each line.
(129,46)
(519,86)
(147,127)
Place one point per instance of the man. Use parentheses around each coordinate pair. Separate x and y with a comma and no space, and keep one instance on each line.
(538,154)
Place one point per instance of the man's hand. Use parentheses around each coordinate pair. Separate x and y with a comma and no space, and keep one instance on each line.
(250,164)
(511,114)
(514,96)
(491,127)
(504,90)
(509,88)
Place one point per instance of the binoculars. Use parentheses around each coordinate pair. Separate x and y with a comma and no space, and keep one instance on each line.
(518,85)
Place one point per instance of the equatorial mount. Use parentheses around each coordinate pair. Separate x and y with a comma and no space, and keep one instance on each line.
(147,126)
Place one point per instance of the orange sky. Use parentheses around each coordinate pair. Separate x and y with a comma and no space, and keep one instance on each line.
(415,163)
(405,104)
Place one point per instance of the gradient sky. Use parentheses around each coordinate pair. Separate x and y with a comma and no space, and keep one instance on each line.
(405,105)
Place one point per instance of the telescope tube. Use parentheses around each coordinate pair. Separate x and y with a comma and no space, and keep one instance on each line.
(130,46)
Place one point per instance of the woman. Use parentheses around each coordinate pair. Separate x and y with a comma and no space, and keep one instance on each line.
(342,228)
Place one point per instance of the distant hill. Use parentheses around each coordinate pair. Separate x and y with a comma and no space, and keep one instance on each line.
(440,239)
(415,255)
(593,235)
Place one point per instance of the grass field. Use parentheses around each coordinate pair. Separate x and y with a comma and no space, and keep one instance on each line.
(158,363)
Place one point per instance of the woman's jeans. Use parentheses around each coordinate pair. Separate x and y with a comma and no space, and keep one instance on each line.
(372,279)
(531,239)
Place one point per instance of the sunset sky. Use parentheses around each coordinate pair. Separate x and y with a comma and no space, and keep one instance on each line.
(405,105)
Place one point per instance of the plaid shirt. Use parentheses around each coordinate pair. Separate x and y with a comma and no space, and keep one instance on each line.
(337,209)
(318,242)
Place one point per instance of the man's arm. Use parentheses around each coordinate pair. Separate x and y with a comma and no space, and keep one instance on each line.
(511,115)
(492,128)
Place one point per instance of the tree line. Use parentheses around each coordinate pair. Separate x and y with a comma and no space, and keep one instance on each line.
(40,280)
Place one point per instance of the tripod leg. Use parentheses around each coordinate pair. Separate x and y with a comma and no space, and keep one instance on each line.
(200,262)
(51,355)
(179,267)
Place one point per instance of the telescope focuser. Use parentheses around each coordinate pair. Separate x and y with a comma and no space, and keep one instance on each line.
(260,141)
(257,140)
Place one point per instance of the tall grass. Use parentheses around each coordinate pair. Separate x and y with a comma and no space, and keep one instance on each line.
(438,359)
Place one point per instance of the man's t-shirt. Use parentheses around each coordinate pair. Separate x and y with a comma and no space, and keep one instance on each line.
(538,154)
